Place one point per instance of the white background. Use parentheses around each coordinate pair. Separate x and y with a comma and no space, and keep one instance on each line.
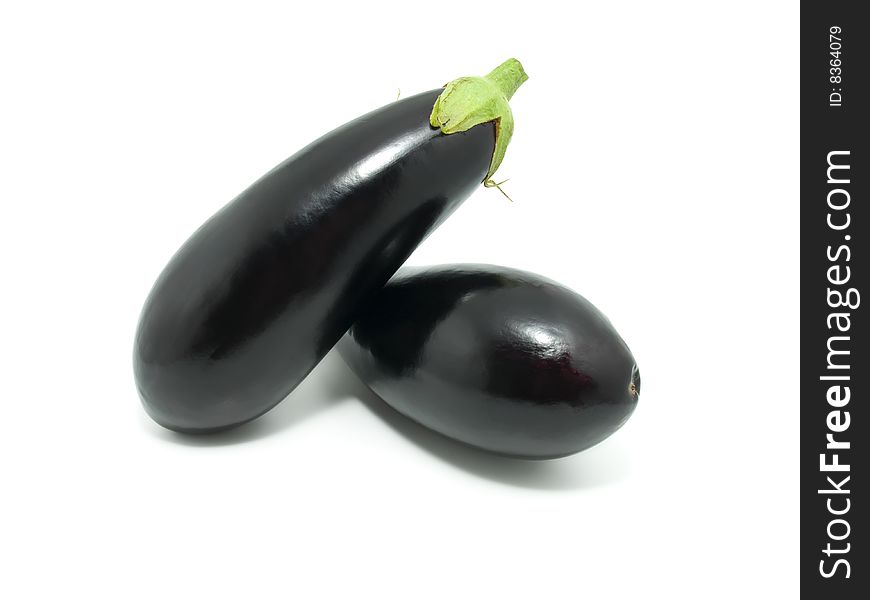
(654,169)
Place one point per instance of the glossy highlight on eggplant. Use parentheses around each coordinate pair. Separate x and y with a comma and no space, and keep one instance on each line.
(267,286)
(497,358)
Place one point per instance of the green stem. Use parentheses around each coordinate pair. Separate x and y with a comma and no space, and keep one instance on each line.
(508,77)
(470,101)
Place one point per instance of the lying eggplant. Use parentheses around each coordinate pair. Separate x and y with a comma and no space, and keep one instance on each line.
(500,359)
(262,291)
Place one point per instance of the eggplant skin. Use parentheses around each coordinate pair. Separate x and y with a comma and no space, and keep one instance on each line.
(500,359)
(268,285)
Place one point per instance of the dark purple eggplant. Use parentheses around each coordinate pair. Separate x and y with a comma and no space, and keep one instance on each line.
(262,291)
(500,359)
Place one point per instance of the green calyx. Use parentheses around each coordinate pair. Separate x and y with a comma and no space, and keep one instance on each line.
(470,101)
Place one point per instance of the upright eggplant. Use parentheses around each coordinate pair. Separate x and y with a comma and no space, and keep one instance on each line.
(261,292)
(500,359)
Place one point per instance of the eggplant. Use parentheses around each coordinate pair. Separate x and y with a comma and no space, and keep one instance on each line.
(497,358)
(269,284)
